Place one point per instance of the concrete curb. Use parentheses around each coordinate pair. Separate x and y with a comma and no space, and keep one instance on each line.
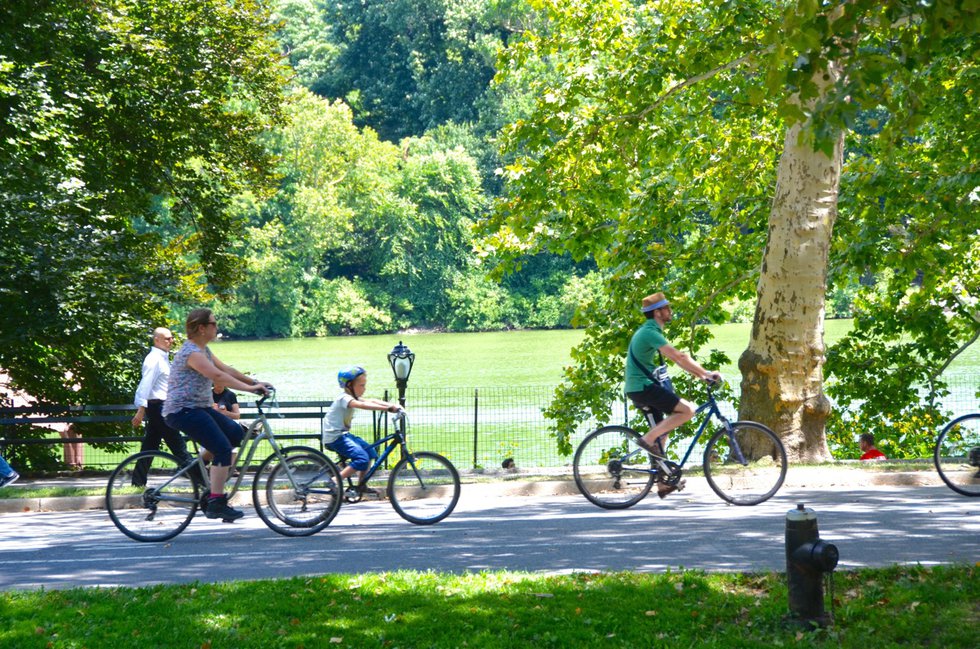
(796,478)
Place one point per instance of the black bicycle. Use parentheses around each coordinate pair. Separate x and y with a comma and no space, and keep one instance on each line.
(296,491)
(423,487)
(957,455)
(744,462)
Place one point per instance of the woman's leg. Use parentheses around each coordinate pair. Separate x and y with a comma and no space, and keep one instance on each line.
(223,460)
(211,433)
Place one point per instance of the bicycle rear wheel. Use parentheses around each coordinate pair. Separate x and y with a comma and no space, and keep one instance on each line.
(298,496)
(746,466)
(957,455)
(424,488)
(611,469)
(150,497)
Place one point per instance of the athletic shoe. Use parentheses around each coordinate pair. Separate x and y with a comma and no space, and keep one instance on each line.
(9,479)
(218,507)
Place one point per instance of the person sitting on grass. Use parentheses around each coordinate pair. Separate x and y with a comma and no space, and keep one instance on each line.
(867,444)
(336,423)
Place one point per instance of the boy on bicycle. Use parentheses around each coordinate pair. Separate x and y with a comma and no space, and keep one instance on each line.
(649,388)
(336,424)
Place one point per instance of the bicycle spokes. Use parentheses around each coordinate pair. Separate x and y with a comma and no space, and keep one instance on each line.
(612,470)
(745,463)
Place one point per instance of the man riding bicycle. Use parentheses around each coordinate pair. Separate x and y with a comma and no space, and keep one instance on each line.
(647,384)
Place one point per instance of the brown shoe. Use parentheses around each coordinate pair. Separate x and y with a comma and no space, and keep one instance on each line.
(657,448)
(663,490)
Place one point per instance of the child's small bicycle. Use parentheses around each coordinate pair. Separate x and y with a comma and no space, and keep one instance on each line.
(423,487)
(744,462)
(296,490)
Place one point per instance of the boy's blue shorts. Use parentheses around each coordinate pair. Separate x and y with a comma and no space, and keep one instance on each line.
(355,449)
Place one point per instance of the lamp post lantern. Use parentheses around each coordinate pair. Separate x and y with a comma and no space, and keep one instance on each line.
(401,360)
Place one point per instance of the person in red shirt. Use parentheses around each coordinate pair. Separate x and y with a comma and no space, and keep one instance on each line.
(867,443)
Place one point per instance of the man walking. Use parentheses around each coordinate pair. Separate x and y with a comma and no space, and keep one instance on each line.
(150,395)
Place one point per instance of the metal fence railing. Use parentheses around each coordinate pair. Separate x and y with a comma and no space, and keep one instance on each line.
(475,428)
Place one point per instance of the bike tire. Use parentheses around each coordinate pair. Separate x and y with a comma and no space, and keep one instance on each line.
(307,507)
(601,475)
(424,488)
(750,482)
(159,509)
(957,455)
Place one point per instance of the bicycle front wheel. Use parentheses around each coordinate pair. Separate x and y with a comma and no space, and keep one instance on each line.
(150,497)
(611,469)
(299,495)
(424,488)
(957,455)
(745,466)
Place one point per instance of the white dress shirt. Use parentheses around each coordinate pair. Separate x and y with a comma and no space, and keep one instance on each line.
(156,372)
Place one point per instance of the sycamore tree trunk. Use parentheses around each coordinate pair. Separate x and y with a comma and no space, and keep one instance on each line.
(782,368)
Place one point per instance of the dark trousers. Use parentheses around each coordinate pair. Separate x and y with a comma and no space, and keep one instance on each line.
(211,429)
(155,431)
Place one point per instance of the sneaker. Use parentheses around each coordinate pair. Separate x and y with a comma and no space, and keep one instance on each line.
(9,479)
(218,507)
(368,492)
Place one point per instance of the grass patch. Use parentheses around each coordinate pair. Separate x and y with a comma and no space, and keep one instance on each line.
(898,606)
(50,492)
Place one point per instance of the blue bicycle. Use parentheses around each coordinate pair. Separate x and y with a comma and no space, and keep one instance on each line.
(744,462)
(423,487)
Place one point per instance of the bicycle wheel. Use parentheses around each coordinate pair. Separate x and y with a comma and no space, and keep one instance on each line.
(424,488)
(299,495)
(611,469)
(746,466)
(154,502)
(957,455)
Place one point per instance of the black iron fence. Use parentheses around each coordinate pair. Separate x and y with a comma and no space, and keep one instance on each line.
(475,428)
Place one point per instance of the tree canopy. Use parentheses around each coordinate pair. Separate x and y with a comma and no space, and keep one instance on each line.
(111,115)
(655,151)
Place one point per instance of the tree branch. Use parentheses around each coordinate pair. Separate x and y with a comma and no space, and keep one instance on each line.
(973,313)
(686,83)
(959,351)
(711,298)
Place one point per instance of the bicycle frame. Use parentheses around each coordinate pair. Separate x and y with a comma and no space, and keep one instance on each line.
(711,407)
(258,431)
(397,440)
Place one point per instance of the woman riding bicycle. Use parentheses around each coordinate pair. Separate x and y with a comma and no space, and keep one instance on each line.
(337,422)
(188,407)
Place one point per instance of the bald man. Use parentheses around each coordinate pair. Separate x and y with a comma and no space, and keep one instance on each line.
(150,395)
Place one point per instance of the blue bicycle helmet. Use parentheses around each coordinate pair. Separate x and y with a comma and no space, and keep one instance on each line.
(348,374)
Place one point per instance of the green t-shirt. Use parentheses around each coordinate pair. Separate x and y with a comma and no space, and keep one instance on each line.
(647,340)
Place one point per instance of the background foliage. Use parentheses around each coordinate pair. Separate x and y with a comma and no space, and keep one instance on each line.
(157,157)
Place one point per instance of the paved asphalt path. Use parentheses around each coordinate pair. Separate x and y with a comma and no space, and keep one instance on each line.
(872,526)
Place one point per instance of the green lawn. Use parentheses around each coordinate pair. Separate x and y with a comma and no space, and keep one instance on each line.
(894,607)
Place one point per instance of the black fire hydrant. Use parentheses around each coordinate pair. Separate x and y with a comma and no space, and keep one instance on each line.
(807,559)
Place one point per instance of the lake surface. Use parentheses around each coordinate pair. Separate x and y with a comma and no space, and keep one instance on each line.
(306,368)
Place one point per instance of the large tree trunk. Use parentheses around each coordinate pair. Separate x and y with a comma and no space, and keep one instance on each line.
(782,368)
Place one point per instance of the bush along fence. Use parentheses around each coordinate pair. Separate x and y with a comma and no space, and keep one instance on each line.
(476,428)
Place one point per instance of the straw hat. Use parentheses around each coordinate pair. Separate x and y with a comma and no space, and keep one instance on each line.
(652,302)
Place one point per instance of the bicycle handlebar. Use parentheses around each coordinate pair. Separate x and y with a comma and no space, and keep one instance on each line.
(271,392)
